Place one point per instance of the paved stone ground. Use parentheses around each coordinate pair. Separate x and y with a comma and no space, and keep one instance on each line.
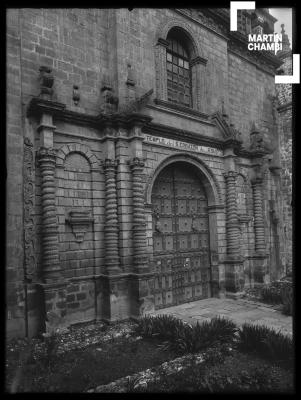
(239,310)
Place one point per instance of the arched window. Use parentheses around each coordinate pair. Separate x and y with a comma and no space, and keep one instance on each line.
(178,71)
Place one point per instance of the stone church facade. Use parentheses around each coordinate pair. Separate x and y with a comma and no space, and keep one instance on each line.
(143,162)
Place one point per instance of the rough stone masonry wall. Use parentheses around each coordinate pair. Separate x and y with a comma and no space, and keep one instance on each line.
(14,199)
(250,97)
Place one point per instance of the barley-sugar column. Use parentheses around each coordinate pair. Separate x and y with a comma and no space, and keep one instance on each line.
(53,286)
(259,257)
(111,221)
(142,277)
(234,273)
(50,244)
(139,224)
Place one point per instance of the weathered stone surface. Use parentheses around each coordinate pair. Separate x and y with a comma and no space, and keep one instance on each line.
(85,200)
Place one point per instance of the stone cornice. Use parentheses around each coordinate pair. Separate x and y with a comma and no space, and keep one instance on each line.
(38,106)
(242,152)
(183,135)
(183,109)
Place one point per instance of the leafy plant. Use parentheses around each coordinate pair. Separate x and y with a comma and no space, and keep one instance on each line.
(51,342)
(287,300)
(183,337)
(266,342)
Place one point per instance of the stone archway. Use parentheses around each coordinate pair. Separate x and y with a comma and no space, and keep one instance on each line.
(181,199)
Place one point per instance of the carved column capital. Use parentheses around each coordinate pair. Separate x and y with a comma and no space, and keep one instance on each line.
(230,175)
(45,153)
(109,164)
(137,163)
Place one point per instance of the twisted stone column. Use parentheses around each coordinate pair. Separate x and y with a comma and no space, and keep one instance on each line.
(139,225)
(258,215)
(232,224)
(111,223)
(50,244)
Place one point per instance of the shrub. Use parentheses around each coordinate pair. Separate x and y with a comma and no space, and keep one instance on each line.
(183,337)
(266,342)
(287,299)
(271,294)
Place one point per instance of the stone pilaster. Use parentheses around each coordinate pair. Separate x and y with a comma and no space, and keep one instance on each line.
(111,223)
(50,246)
(139,224)
(232,223)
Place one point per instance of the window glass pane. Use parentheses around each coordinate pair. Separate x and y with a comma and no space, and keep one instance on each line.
(178,74)
(174,46)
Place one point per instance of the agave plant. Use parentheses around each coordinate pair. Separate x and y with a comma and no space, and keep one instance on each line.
(266,342)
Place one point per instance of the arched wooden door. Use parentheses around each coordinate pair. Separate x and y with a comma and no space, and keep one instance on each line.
(180,237)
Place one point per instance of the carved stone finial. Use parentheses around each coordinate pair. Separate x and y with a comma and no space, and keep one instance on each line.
(76,95)
(130,78)
(46,81)
(285,42)
(110,102)
(223,110)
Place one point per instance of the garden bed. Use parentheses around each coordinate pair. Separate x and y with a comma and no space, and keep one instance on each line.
(157,354)
(235,373)
(77,365)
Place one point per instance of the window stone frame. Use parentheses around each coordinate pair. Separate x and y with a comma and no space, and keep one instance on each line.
(197,64)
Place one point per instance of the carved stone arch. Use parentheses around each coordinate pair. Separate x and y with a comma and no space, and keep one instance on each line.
(197,62)
(76,148)
(171,23)
(209,181)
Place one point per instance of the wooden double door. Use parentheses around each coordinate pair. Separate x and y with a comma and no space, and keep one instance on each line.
(180,237)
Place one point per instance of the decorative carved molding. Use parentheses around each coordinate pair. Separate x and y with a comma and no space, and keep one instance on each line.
(29,210)
(228,130)
(79,222)
(38,106)
(136,105)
